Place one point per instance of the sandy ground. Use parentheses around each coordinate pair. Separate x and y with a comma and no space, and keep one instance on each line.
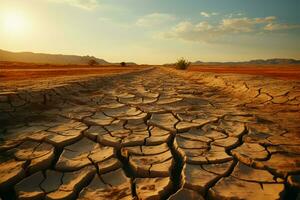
(286,72)
(18,76)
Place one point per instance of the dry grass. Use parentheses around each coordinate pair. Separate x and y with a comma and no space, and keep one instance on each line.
(285,72)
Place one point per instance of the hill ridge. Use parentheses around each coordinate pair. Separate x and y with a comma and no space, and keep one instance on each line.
(47,58)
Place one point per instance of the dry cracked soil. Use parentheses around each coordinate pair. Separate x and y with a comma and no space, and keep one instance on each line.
(152,134)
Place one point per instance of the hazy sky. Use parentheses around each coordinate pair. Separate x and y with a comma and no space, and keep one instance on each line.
(153,31)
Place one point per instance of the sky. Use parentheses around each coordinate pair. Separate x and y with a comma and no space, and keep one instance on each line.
(153,31)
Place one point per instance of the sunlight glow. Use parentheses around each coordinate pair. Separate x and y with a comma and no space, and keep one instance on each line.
(14,23)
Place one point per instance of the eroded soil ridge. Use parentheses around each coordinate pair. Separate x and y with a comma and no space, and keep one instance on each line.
(155,134)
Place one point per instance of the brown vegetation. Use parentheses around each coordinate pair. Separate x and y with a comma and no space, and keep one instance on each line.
(182,64)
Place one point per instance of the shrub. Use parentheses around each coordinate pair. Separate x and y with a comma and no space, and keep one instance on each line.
(123,64)
(92,62)
(182,64)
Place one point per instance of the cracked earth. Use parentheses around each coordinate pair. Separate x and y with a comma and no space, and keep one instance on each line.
(152,134)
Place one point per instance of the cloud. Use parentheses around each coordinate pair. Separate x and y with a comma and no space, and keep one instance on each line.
(269,19)
(209,32)
(236,25)
(154,19)
(277,27)
(206,14)
(84,4)
(235,14)
(192,32)
(244,24)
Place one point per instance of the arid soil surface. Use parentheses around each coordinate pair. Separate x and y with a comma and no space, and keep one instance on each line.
(285,72)
(23,75)
(156,133)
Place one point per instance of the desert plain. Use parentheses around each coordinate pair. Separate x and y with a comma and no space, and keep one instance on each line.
(149,132)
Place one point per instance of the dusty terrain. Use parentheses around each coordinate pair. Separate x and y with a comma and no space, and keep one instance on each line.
(280,71)
(24,75)
(156,133)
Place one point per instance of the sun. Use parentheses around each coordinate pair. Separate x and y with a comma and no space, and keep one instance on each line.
(14,23)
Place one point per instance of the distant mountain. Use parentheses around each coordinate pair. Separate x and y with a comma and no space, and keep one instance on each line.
(29,57)
(273,61)
(197,62)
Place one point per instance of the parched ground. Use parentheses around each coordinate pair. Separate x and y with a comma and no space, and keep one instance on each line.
(152,134)
(279,71)
(28,76)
